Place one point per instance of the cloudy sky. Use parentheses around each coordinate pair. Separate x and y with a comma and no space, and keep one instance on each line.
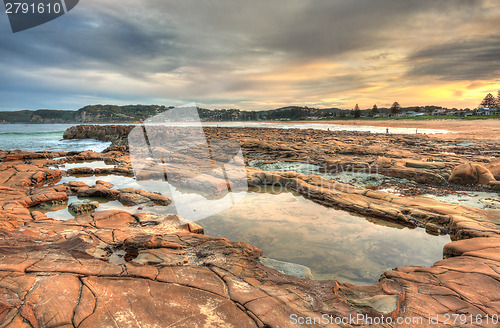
(257,54)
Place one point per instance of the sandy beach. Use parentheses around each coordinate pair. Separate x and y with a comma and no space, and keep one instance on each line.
(488,129)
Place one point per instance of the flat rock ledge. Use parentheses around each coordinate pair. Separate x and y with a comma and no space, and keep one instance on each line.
(115,269)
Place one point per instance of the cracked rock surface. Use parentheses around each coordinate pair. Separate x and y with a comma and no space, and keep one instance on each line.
(117,269)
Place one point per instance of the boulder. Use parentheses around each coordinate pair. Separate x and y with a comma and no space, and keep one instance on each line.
(471,174)
(104,183)
(130,199)
(83,206)
(77,184)
(80,170)
(98,191)
(494,168)
(133,196)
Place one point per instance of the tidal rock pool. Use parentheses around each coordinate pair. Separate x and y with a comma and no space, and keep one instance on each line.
(79,164)
(358,179)
(479,199)
(61,210)
(290,229)
(333,243)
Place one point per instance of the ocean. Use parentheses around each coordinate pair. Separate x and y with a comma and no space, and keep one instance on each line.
(38,137)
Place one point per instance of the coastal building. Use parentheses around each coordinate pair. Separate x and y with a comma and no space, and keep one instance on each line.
(411,113)
(439,111)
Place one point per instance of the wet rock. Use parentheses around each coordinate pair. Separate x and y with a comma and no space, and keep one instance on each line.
(434,229)
(117,134)
(384,304)
(115,171)
(150,219)
(173,277)
(291,269)
(74,185)
(459,247)
(98,191)
(134,199)
(81,171)
(27,175)
(108,185)
(411,170)
(425,165)
(161,256)
(150,241)
(494,168)
(47,196)
(158,304)
(133,196)
(195,228)
(83,206)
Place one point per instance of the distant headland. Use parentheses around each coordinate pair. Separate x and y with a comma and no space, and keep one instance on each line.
(138,113)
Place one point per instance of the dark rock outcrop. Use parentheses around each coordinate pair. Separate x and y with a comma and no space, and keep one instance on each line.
(117,134)
(83,206)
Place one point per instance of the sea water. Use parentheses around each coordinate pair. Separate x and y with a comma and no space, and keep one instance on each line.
(39,137)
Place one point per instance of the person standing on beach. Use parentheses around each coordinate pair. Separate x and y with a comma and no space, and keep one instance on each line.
(386,130)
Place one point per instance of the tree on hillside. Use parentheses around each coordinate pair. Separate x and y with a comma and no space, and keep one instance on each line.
(357,111)
(498,99)
(375,110)
(395,108)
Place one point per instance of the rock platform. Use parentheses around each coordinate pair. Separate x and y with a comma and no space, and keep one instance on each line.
(117,269)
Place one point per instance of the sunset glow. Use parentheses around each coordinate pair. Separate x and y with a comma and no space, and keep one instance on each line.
(314,53)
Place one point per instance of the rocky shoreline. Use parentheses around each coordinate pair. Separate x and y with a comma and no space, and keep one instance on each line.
(114,268)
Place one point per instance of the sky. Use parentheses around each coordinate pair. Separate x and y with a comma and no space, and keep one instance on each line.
(255,55)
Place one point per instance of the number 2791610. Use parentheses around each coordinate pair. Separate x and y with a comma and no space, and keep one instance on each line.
(26,8)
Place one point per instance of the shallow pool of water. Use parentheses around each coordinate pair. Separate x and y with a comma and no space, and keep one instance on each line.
(116,180)
(334,244)
(61,212)
(359,179)
(91,164)
(478,199)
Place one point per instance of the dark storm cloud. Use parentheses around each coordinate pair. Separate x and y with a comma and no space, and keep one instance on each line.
(477,59)
(195,32)
(338,27)
(85,41)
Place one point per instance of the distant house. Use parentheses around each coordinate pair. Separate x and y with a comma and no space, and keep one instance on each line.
(440,111)
(413,113)
(482,111)
(489,111)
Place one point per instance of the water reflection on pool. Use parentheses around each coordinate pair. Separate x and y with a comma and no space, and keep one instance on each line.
(334,244)
(78,164)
